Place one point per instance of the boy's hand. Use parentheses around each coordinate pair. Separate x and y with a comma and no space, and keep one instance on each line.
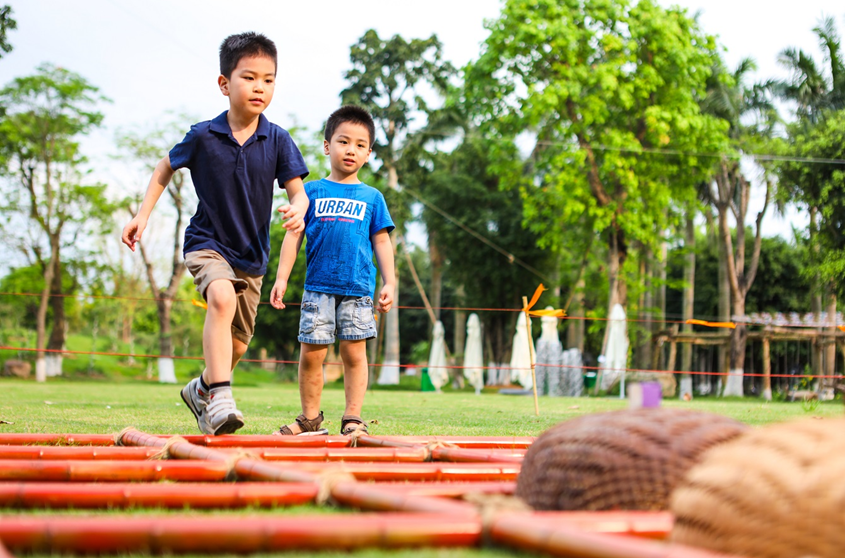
(386,299)
(293,219)
(277,293)
(132,232)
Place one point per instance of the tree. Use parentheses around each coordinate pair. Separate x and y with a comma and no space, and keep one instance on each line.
(751,120)
(46,113)
(818,96)
(609,93)
(387,78)
(6,24)
(473,218)
(148,149)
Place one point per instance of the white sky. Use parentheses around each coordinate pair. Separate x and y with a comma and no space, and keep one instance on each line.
(154,56)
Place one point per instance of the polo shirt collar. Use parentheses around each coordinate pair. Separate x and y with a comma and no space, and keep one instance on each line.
(221,125)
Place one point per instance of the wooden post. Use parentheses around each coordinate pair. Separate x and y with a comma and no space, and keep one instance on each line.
(531,355)
(768,392)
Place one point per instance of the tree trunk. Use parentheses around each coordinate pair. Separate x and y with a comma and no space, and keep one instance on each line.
(831,348)
(661,301)
(737,351)
(390,364)
(41,317)
(167,373)
(460,333)
(436,262)
(53,360)
(645,350)
(816,297)
(576,329)
(686,384)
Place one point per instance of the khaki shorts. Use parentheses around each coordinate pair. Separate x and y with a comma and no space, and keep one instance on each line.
(207,266)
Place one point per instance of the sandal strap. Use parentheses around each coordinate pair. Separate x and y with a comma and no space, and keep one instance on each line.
(310,425)
(347,420)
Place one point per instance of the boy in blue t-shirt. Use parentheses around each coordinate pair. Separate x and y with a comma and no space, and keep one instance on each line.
(346,223)
(234,161)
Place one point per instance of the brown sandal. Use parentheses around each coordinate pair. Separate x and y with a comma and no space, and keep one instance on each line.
(352,423)
(309,427)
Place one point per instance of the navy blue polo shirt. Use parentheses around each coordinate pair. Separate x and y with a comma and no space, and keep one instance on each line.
(234,185)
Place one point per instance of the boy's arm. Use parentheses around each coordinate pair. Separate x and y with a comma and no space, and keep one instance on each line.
(287,257)
(297,206)
(158,182)
(385,258)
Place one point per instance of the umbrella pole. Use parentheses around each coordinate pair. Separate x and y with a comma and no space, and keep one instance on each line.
(531,356)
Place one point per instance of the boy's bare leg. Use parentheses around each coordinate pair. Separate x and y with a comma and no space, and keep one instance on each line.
(354,356)
(311,380)
(239,349)
(218,344)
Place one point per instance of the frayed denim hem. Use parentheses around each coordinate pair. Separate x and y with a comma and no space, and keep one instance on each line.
(313,341)
(368,335)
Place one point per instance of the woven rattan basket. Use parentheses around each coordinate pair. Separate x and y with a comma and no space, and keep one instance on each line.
(777,492)
(627,460)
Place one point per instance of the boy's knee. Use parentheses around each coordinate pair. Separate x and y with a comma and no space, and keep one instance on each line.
(221,297)
(239,348)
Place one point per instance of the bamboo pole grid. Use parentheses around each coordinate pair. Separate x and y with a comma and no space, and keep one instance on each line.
(412,491)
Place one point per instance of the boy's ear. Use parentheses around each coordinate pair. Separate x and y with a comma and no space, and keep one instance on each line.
(223,83)
(326,147)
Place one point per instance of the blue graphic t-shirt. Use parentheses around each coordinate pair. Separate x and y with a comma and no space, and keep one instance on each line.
(340,220)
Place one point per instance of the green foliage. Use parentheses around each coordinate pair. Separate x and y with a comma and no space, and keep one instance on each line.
(819,187)
(46,114)
(385,79)
(6,24)
(609,92)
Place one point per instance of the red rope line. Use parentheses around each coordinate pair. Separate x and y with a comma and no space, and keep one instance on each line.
(448,367)
(462,308)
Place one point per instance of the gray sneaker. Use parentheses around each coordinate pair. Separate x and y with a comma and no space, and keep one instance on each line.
(197,400)
(221,416)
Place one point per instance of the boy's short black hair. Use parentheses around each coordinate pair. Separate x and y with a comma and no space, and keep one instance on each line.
(235,47)
(350,113)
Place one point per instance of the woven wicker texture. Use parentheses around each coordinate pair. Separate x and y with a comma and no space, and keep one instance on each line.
(626,460)
(777,492)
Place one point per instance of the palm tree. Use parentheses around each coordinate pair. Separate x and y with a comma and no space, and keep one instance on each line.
(818,94)
(814,92)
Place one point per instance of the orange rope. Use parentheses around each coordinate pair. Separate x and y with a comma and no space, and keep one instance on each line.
(455,367)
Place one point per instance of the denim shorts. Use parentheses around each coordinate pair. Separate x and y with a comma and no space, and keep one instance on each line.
(323,316)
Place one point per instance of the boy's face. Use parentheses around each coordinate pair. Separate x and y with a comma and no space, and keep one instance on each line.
(250,87)
(349,149)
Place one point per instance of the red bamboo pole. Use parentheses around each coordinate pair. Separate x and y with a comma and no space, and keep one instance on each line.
(194,495)
(459,455)
(246,535)
(526,533)
(449,489)
(396,455)
(382,472)
(89,453)
(58,439)
(645,524)
(378,498)
(112,471)
(257,441)
(470,442)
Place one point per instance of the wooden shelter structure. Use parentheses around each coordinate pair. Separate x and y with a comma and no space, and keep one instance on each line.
(820,331)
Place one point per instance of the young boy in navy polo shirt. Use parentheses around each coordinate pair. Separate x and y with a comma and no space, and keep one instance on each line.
(346,223)
(234,160)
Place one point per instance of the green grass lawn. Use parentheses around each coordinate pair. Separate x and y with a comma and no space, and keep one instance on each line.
(106,407)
